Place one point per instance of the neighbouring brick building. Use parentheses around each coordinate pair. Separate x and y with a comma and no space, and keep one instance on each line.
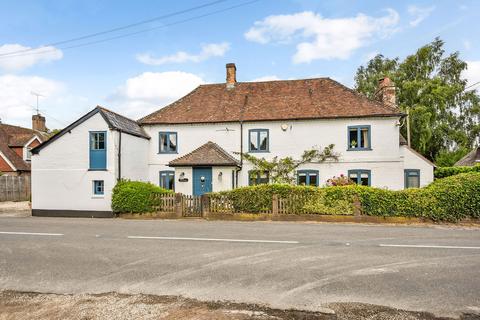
(16,143)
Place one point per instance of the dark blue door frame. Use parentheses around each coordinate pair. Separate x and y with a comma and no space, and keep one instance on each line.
(202,180)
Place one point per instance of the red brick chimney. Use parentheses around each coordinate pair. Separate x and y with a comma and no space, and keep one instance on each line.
(38,123)
(231,75)
(386,92)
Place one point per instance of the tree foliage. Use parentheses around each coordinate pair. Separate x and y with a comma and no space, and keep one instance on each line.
(281,170)
(444,114)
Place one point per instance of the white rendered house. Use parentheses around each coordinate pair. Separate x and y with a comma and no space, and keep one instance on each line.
(193,145)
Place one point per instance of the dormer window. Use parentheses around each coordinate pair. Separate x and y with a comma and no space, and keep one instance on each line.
(28,155)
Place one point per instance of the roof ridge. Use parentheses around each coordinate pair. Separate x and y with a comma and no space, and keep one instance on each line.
(172,104)
(116,113)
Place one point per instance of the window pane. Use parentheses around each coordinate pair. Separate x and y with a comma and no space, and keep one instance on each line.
(163,142)
(253,140)
(364,179)
(263,178)
(171,181)
(352,134)
(98,187)
(364,143)
(93,141)
(101,140)
(173,142)
(353,176)
(252,178)
(302,179)
(263,140)
(413,182)
(313,179)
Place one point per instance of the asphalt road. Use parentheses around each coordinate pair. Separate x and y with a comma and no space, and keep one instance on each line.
(284,265)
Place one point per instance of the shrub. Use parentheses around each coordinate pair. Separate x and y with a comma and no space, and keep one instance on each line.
(134,196)
(341,180)
(444,172)
(448,199)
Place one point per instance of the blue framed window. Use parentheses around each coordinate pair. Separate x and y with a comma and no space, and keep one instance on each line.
(256,178)
(359,138)
(98,187)
(167,142)
(412,178)
(98,150)
(307,177)
(167,179)
(258,140)
(360,176)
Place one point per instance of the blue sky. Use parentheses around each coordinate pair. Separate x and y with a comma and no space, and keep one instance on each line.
(267,39)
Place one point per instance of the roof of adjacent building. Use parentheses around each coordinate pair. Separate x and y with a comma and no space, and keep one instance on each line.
(209,154)
(114,120)
(320,98)
(15,136)
(470,159)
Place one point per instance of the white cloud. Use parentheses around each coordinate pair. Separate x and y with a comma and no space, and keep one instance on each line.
(419,14)
(151,91)
(23,60)
(266,78)
(472,74)
(467,44)
(208,51)
(324,38)
(17,100)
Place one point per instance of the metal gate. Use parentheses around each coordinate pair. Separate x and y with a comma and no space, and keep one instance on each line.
(192,206)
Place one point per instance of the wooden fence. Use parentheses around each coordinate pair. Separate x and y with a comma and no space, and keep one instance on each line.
(200,206)
(15,188)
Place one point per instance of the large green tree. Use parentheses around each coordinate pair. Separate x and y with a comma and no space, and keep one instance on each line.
(444,112)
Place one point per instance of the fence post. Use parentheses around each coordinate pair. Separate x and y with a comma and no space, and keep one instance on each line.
(205,200)
(275,204)
(178,205)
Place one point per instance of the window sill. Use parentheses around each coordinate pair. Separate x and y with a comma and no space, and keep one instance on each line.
(359,149)
(99,197)
(167,152)
(258,151)
(98,169)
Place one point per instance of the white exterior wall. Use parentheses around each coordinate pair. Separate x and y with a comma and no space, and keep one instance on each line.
(384,160)
(60,176)
(414,161)
(134,157)
(223,181)
(184,187)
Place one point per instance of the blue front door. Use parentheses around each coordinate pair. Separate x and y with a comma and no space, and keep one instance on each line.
(202,180)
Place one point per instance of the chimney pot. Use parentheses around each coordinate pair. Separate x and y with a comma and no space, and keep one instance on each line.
(231,75)
(38,123)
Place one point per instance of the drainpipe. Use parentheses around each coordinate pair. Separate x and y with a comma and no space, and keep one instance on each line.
(119,155)
(241,137)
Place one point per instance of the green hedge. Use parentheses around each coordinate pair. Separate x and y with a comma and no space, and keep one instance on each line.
(134,196)
(444,172)
(448,199)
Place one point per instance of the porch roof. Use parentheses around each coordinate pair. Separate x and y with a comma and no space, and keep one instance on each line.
(209,154)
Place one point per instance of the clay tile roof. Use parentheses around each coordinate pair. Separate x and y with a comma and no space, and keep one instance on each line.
(209,154)
(12,156)
(271,100)
(470,159)
(19,136)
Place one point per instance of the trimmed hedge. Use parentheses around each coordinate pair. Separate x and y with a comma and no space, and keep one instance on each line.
(134,196)
(449,199)
(444,172)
